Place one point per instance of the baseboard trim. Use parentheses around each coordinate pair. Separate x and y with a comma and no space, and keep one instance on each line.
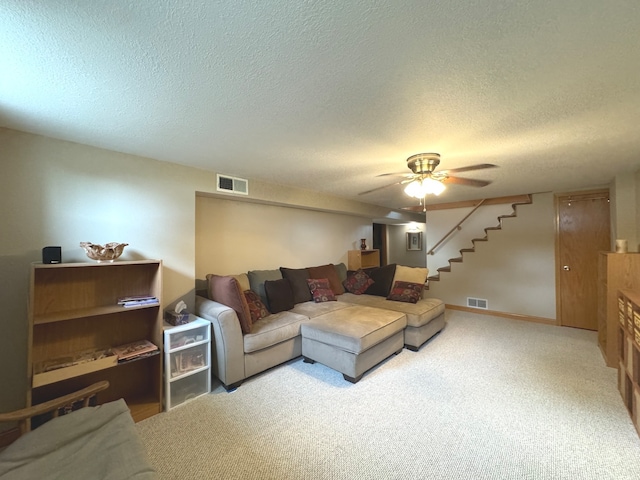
(7,437)
(512,316)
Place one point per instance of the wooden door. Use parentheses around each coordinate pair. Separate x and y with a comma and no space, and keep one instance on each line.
(583,230)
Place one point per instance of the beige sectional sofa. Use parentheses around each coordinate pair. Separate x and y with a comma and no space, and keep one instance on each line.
(243,347)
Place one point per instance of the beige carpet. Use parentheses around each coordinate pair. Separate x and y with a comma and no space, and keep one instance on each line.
(488,398)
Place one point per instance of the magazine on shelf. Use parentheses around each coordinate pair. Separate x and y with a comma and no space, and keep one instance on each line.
(134,350)
(137,300)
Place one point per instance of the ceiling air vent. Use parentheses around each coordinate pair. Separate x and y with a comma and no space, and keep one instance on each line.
(232,185)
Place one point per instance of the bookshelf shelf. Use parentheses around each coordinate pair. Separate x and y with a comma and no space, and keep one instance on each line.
(73,308)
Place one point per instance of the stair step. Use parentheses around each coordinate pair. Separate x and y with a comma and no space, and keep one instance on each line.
(436,278)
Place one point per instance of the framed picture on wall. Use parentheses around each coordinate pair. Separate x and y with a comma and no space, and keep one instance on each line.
(414,240)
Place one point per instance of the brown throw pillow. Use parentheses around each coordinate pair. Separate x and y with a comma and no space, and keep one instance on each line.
(298,280)
(226,290)
(256,307)
(357,282)
(330,273)
(320,289)
(406,292)
(279,295)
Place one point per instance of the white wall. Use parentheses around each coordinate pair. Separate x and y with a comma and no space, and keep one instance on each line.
(514,270)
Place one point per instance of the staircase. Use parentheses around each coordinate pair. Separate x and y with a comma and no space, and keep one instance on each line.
(525,199)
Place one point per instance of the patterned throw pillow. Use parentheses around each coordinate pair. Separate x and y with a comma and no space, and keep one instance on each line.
(256,307)
(320,289)
(358,282)
(406,292)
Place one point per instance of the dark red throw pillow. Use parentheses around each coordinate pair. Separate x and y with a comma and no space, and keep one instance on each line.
(358,282)
(320,289)
(406,292)
(256,307)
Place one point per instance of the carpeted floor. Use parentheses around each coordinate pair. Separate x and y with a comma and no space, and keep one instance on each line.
(488,398)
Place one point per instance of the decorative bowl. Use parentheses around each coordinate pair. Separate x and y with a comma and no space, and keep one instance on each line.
(106,253)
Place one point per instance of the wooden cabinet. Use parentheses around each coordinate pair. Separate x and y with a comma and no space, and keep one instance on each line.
(616,271)
(74,321)
(629,352)
(363,259)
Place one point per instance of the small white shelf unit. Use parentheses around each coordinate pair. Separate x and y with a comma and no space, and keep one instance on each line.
(187,361)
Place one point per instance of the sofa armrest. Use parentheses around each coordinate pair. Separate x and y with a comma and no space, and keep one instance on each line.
(227,344)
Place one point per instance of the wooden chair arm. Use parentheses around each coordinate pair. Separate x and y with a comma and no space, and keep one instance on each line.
(23,415)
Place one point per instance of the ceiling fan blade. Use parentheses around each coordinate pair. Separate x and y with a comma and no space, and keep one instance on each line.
(466,181)
(480,166)
(401,174)
(381,188)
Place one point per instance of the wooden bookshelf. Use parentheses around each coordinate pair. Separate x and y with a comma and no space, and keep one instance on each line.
(616,271)
(357,259)
(629,352)
(73,311)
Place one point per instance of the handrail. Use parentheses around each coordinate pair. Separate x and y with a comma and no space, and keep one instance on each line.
(457,227)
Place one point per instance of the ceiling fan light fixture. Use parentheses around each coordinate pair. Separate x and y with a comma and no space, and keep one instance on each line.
(422,187)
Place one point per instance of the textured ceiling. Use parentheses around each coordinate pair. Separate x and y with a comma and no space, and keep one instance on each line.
(325,95)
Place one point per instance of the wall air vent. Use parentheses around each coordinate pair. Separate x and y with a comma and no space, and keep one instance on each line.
(229,184)
(477,303)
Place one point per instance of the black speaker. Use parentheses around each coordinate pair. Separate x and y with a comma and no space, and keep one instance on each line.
(52,255)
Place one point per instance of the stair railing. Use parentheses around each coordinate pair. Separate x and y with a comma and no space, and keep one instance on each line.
(457,227)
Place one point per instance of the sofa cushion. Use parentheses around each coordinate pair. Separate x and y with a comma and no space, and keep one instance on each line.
(312,309)
(279,294)
(330,273)
(243,281)
(341,268)
(357,282)
(406,292)
(272,330)
(410,274)
(226,290)
(298,280)
(418,314)
(257,309)
(257,279)
(382,277)
(320,289)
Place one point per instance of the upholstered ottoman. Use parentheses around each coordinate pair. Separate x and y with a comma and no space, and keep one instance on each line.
(354,339)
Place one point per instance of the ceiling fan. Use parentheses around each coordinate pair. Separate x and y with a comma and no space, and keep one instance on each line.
(424,180)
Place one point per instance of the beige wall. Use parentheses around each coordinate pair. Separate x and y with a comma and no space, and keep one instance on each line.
(624,211)
(235,237)
(61,193)
(397,242)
